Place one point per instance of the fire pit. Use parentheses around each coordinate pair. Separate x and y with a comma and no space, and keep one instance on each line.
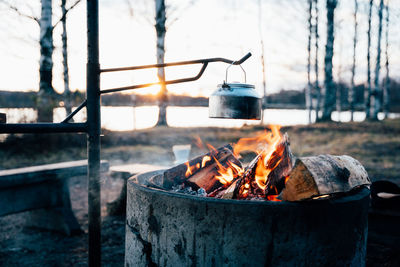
(174,229)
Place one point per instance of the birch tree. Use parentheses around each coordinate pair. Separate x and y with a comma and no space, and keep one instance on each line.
(308,87)
(46,100)
(353,67)
(329,86)
(64,39)
(163,19)
(316,64)
(386,93)
(377,88)
(161,31)
(369,86)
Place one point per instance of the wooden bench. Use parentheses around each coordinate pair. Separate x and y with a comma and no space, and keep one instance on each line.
(124,172)
(45,190)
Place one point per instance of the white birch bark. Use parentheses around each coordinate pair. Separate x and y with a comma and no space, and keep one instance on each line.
(377,88)
(386,93)
(160,32)
(353,68)
(329,86)
(46,91)
(308,87)
(64,39)
(369,86)
(339,84)
(316,63)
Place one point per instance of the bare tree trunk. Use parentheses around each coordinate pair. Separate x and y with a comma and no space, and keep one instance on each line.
(316,65)
(161,31)
(308,87)
(67,93)
(369,90)
(46,101)
(353,68)
(386,93)
(329,86)
(378,89)
(264,99)
(339,83)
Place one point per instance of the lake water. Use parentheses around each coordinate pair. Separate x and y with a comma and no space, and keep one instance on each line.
(131,118)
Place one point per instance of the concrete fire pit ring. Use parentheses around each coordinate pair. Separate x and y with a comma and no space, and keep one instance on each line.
(173,229)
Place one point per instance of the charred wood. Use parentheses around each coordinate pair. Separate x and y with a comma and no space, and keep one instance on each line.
(200,172)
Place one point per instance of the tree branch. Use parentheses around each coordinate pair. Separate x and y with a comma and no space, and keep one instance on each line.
(16,10)
(172,13)
(65,13)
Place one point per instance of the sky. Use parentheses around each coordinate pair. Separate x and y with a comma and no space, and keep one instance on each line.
(196,29)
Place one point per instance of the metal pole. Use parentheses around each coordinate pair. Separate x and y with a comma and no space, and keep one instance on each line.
(94,125)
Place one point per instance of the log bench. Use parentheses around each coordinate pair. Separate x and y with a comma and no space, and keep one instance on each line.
(44,190)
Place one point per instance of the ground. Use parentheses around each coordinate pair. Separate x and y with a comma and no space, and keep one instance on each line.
(375,144)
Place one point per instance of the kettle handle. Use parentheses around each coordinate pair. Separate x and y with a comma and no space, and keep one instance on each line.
(226,72)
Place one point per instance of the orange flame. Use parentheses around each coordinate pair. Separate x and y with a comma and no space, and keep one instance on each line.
(227,174)
(191,169)
(205,160)
(268,146)
(265,144)
(188,170)
(259,143)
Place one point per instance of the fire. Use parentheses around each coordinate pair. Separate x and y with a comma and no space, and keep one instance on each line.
(266,145)
(227,174)
(205,160)
(262,177)
(259,143)
(190,169)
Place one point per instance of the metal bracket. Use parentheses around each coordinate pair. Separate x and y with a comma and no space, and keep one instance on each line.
(65,126)
(180,63)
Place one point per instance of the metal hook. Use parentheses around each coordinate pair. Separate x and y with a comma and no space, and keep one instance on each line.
(226,72)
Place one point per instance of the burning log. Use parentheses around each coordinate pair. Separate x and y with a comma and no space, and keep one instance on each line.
(323,175)
(281,163)
(241,188)
(202,171)
(277,167)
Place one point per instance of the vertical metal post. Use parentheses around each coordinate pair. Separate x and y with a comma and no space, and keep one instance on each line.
(94,125)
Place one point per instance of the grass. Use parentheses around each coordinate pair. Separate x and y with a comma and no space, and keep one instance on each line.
(375,144)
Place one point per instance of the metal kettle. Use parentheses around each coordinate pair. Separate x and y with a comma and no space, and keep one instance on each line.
(235,101)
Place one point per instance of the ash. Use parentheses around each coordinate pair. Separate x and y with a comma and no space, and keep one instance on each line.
(201,192)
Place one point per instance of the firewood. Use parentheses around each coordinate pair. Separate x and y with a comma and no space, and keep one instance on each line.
(247,176)
(205,177)
(323,175)
(202,172)
(281,161)
(229,193)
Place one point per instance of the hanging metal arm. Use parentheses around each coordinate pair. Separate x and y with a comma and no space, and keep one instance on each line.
(180,63)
